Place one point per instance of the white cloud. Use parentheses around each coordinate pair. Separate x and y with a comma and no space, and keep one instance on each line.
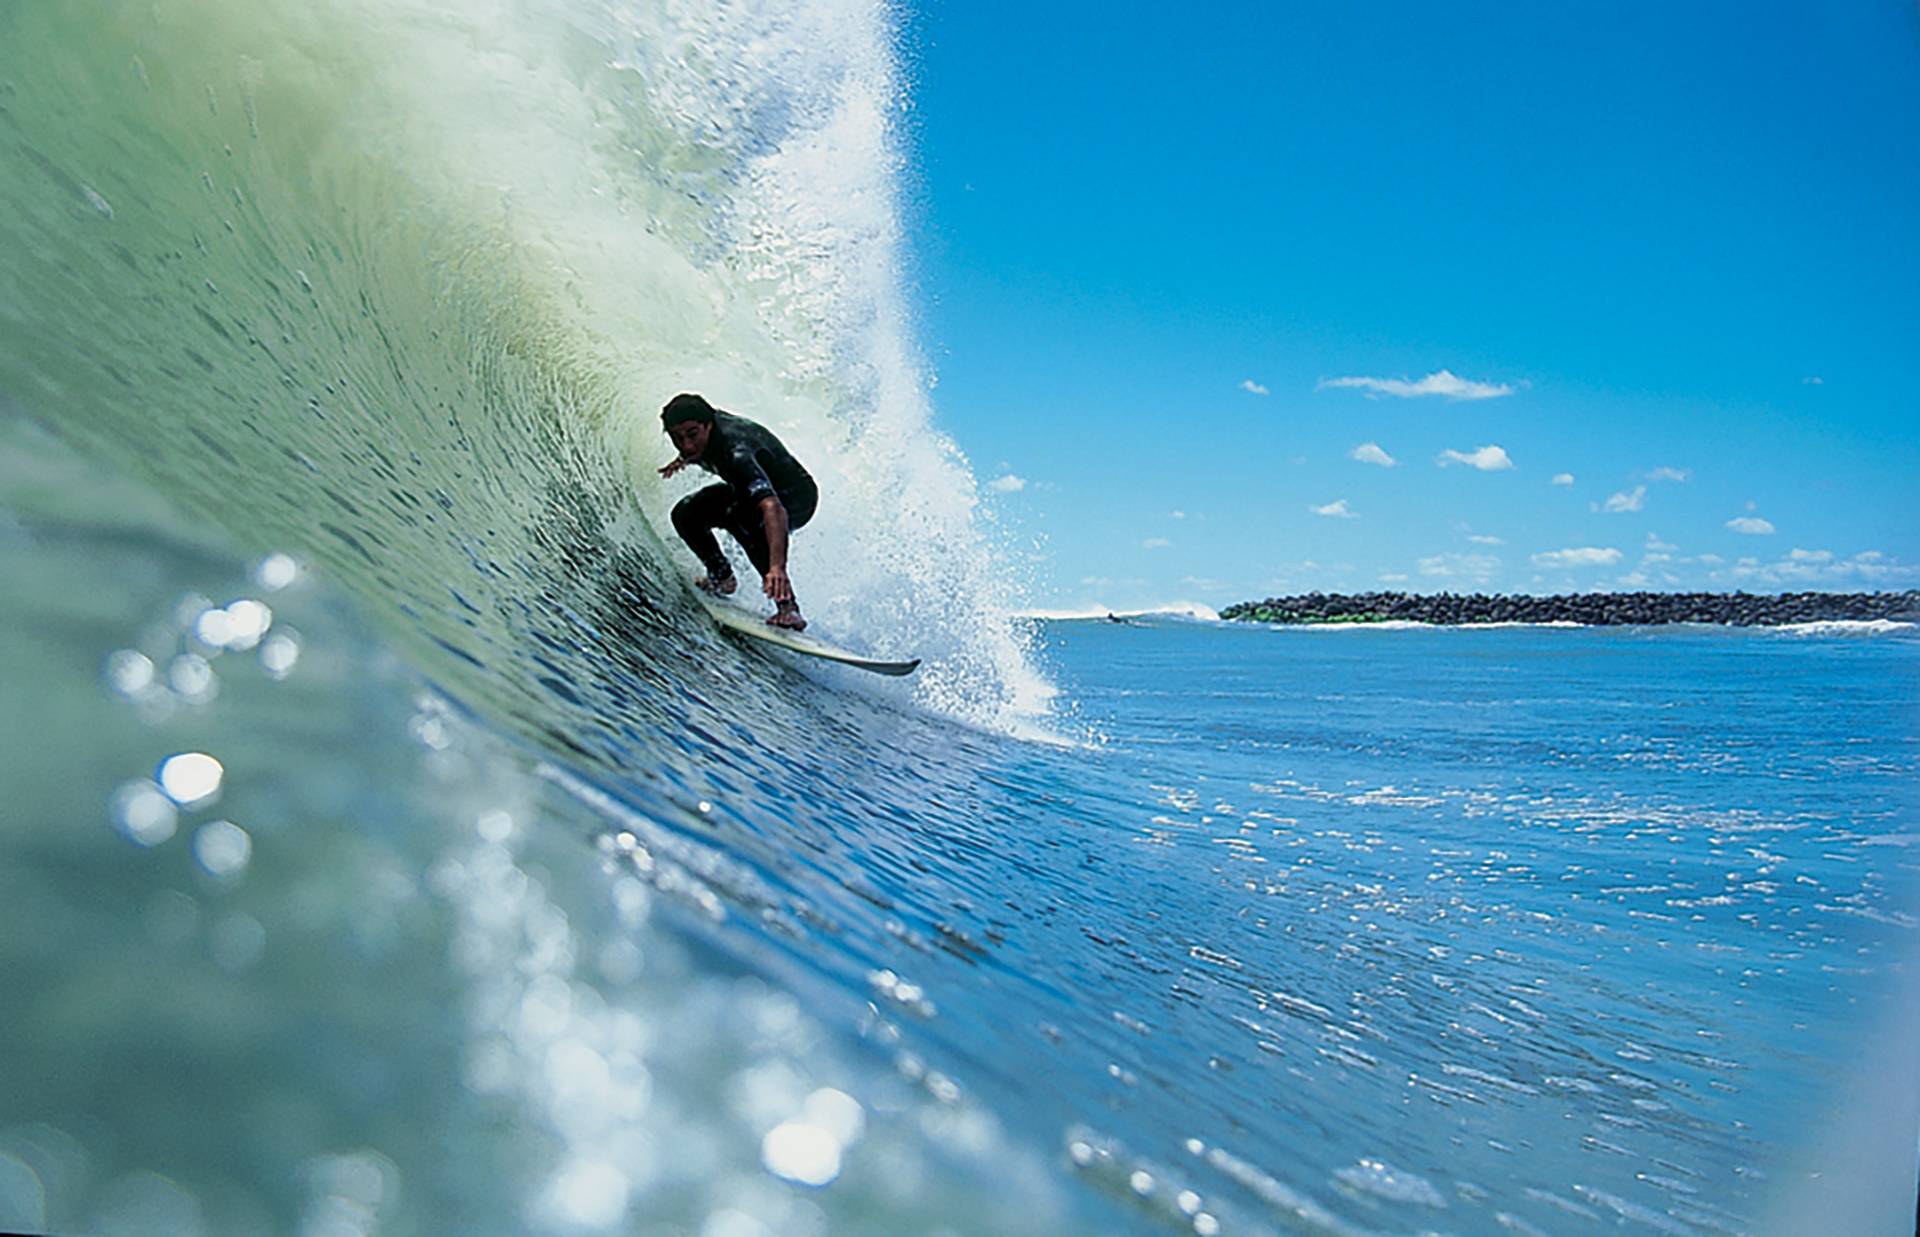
(1818,567)
(1007,484)
(1253,388)
(1663,473)
(1440,382)
(1813,380)
(1873,565)
(1177,515)
(1393,577)
(1474,568)
(1752,525)
(1484,539)
(1634,579)
(1336,509)
(1582,556)
(1486,459)
(1624,501)
(1372,453)
(1654,543)
(1155,543)
(1563,478)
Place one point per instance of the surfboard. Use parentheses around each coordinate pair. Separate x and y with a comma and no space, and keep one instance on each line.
(744,622)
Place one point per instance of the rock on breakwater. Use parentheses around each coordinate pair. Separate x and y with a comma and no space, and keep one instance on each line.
(1596,609)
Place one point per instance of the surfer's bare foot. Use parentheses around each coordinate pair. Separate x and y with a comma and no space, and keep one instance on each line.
(787,616)
(720,587)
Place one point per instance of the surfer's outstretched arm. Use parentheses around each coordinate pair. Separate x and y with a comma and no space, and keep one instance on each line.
(773,515)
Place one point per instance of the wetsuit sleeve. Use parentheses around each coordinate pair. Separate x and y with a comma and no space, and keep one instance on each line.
(741,470)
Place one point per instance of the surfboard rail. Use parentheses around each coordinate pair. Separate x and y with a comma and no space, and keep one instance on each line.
(744,622)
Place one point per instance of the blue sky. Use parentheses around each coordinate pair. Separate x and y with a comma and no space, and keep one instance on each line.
(1174,270)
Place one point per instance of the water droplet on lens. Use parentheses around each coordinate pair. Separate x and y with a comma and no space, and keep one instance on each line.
(191,778)
(144,814)
(801,1152)
(278,655)
(192,677)
(276,571)
(222,848)
(248,620)
(214,628)
(129,673)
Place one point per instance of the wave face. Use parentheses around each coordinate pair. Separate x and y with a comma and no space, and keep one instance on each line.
(401,286)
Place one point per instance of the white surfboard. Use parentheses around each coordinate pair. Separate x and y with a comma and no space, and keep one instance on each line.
(755,627)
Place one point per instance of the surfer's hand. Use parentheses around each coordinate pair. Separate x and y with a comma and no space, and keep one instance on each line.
(669,469)
(776,584)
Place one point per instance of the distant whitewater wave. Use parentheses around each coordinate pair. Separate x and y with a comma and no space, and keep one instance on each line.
(1173,609)
(1844,627)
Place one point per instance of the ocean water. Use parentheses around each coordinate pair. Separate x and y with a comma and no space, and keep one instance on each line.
(389,845)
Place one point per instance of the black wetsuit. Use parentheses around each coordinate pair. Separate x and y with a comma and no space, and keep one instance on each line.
(751,464)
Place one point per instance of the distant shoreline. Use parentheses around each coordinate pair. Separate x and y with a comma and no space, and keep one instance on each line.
(1586,609)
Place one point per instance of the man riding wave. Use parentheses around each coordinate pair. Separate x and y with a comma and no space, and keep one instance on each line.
(762,496)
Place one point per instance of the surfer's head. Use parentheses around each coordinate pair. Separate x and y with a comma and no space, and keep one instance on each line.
(688,420)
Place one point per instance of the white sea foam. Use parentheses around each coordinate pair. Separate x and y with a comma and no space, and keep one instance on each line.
(1544,623)
(1843,627)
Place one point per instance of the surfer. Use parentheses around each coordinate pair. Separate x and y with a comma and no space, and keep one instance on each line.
(763,495)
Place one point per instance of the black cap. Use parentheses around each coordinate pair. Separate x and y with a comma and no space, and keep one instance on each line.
(685,407)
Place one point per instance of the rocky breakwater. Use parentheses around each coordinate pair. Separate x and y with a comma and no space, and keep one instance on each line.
(1596,609)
